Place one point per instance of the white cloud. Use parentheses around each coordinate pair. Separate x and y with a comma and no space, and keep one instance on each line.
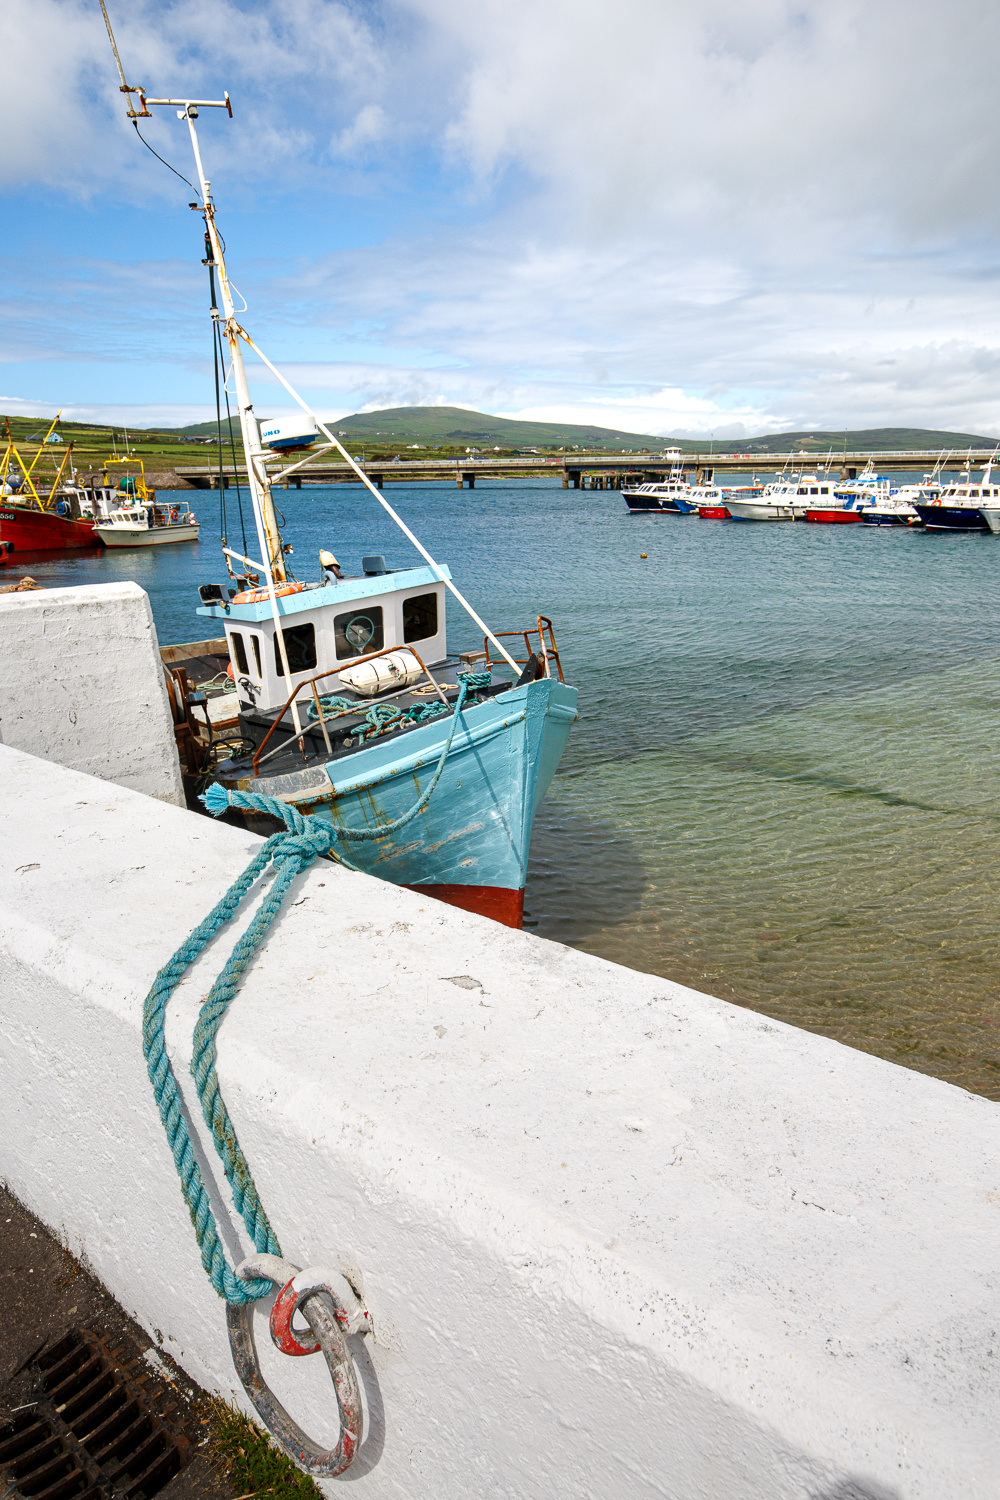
(680,216)
(369,125)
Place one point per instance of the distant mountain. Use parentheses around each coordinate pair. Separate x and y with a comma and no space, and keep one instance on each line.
(870,440)
(454,427)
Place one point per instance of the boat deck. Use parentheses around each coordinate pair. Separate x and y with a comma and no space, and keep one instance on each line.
(285,753)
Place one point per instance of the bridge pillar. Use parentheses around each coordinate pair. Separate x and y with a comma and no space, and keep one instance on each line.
(471,480)
(376,479)
(576,479)
(565,480)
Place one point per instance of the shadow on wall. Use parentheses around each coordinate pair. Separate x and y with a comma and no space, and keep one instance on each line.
(856,1489)
(582,876)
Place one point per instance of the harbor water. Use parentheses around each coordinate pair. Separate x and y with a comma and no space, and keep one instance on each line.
(782,789)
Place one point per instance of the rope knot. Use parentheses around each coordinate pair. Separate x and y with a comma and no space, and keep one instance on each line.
(302,847)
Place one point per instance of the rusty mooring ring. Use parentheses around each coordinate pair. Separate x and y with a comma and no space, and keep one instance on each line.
(296,1443)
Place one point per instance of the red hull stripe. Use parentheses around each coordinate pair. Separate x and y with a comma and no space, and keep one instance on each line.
(833,517)
(43,531)
(495,901)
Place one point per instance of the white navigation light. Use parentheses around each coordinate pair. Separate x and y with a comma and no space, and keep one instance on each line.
(284,433)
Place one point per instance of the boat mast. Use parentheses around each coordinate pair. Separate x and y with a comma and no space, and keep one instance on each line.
(257,476)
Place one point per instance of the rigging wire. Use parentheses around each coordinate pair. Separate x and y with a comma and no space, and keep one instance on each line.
(160,158)
(218,360)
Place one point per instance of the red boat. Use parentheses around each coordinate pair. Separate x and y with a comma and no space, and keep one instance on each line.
(714,513)
(29,529)
(833,515)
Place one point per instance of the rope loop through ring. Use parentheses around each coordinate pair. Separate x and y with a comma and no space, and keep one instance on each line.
(311,1456)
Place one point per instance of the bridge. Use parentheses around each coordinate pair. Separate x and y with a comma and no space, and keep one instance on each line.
(589,470)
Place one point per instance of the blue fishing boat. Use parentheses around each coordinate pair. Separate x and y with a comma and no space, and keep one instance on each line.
(361,757)
(347,703)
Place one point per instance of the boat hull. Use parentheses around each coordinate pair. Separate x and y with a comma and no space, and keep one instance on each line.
(887,518)
(31,530)
(653,506)
(714,513)
(952,518)
(758,510)
(469,845)
(138,536)
(829,516)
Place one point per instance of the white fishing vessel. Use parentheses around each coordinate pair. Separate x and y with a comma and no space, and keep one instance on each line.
(146,524)
(784,499)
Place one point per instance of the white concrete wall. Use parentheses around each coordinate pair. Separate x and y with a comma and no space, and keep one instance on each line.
(81,683)
(618,1239)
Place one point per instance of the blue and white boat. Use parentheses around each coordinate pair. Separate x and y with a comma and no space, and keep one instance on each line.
(361,755)
(348,704)
(964,506)
(672,496)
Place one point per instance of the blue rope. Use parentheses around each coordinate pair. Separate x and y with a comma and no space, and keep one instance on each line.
(330,703)
(290,852)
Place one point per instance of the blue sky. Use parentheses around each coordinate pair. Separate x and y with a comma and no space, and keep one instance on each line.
(735,217)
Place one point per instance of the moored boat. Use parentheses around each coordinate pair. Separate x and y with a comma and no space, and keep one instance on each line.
(899,507)
(672,496)
(777,501)
(964,506)
(43,514)
(348,705)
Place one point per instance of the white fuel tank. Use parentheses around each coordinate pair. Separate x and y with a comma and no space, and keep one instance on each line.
(400,670)
(279,433)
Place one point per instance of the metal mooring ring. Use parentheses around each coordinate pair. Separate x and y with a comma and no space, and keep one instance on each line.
(308,1455)
(350,1314)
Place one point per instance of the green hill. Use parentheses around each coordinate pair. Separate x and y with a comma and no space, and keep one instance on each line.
(454,427)
(870,440)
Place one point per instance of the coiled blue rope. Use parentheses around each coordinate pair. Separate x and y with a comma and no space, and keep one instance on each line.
(290,852)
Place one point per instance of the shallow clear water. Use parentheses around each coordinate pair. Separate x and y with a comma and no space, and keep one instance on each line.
(782,788)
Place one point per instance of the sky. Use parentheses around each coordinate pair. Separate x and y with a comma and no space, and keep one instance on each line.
(739,217)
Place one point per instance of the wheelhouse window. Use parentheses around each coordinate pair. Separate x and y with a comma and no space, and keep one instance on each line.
(359,631)
(242,664)
(420,617)
(300,644)
(255,643)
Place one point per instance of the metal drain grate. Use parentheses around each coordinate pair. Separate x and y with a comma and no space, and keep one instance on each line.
(91,1427)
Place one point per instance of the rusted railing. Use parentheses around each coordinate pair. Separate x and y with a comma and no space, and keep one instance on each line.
(325,719)
(549,653)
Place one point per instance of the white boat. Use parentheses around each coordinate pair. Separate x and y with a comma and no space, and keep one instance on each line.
(782,500)
(147,524)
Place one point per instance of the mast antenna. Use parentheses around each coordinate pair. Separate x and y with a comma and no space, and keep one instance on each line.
(133,114)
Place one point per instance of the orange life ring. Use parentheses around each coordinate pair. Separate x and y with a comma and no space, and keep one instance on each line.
(230,672)
(260,596)
(173,513)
